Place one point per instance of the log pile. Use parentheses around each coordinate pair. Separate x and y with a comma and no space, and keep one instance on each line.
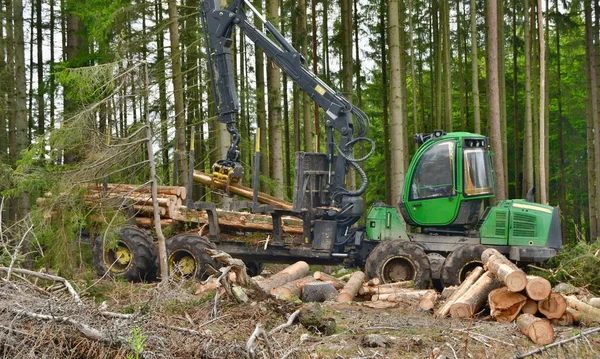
(171,201)
(513,296)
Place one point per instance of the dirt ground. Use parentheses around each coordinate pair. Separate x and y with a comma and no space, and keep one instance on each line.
(40,320)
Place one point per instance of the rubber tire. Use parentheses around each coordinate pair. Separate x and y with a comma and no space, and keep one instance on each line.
(254,268)
(192,245)
(388,250)
(460,262)
(140,244)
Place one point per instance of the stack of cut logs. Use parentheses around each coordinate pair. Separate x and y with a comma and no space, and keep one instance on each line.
(171,200)
(511,294)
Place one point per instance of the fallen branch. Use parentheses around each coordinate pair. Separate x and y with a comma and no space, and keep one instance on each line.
(48,277)
(558,343)
(84,329)
(289,322)
(258,331)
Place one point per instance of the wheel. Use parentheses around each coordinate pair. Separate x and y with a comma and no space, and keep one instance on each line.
(186,257)
(254,268)
(460,263)
(394,261)
(132,258)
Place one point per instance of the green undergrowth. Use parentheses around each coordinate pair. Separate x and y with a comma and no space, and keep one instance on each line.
(577,264)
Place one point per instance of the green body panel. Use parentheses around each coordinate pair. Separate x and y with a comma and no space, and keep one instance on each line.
(384,223)
(435,186)
(517,223)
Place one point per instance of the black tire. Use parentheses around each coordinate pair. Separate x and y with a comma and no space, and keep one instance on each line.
(460,263)
(254,268)
(186,257)
(132,259)
(394,261)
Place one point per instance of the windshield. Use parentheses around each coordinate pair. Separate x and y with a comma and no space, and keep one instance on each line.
(433,176)
(478,173)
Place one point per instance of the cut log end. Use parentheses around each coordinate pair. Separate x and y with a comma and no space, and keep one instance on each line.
(538,288)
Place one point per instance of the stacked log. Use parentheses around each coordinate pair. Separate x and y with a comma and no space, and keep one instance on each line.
(171,200)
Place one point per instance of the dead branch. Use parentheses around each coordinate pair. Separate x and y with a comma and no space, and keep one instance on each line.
(289,322)
(84,329)
(559,343)
(258,332)
(48,277)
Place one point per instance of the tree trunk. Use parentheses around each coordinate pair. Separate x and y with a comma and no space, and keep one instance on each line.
(530,307)
(494,119)
(459,292)
(552,307)
(475,297)
(288,274)
(538,288)
(351,288)
(505,305)
(292,289)
(506,271)
(543,169)
(475,69)
(41,123)
(162,97)
(562,183)
(461,80)
(177,78)
(338,284)
(303,49)
(538,330)
(528,172)
(445,20)
(21,123)
(318,292)
(502,90)
(261,112)
(274,108)
(517,170)
(384,99)
(591,56)
(398,122)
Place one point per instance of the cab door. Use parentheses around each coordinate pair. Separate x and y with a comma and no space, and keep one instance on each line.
(431,199)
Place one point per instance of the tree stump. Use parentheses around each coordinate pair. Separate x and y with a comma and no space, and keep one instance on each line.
(318,292)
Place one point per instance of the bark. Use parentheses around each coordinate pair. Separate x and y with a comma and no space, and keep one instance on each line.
(594,302)
(398,122)
(459,292)
(474,298)
(319,292)
(313,4)
(162,97)
(582,317)
(243,191)
(538,288)
(261,112)
(502,90)
(351,288)
(543,168)
(445,19)
(528,172)
(384,99)
(274,108)
(288,274)
(403,295)
(553,307)
(413,79)
(323,277)
(593,95)
(40,70)
(538,330)
(461,80)
(494,119)
(517,170)
(475,69)
(582,307)
(506,271)
(505,305)
(306,103)
(177,78)
(292,289)
(562,185)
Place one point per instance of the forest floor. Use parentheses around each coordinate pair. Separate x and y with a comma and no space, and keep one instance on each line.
(135,320)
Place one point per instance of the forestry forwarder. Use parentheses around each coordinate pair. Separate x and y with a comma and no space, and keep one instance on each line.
(447,182)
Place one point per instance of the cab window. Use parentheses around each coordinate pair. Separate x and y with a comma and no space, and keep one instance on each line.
(478,172)
(433,175)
